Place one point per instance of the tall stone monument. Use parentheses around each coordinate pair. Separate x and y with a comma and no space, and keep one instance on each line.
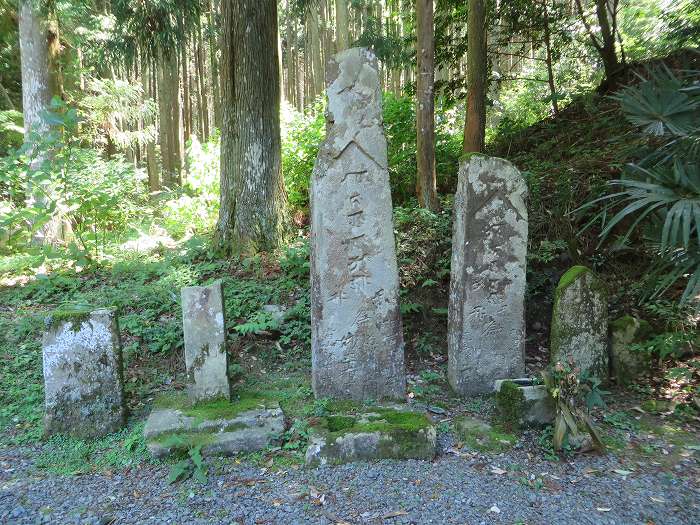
(205,342)
(486,322)
(579,333)
(84,394)
(356,336)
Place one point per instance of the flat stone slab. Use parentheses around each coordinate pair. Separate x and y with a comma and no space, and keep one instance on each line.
(221,427)
(371,433)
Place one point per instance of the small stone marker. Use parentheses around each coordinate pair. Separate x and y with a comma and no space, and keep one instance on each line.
(83,374)
(205,342)
(579,333)
(627,365)
(207,416)
(486,321)
(357,342)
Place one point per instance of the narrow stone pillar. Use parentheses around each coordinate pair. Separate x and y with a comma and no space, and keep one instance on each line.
(579,333)
(83,386)
(356,336)
(486,319)
(205,342)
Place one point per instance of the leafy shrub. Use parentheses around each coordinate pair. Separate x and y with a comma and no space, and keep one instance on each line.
(301,138)
(71,186)
(661,193)
(11,131)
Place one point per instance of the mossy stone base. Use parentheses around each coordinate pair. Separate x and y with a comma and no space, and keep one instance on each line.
(221,427)
(358,433)
(536,407)
(481,436)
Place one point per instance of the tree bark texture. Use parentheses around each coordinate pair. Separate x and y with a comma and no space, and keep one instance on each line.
(252,216)
(475,122)
(425,111)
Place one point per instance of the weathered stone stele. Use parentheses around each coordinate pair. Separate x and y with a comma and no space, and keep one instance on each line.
(83,387)
(205,342)
(579,333)
(486,323)
(626,365)
(357,342)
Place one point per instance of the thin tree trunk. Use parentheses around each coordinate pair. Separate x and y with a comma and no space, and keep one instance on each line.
(215,77)
(548,60)
(475,122)
(5,100)
(170,119)
(202,99)
(426,190)
(252,216)
(342,30)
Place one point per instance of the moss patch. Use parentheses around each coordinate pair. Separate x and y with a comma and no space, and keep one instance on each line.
(387,420)
(215,409)
(570,276)
(510,403)
(75,315)
(481,436)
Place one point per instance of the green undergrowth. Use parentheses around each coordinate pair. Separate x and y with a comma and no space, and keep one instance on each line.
(70,456)
(145,290)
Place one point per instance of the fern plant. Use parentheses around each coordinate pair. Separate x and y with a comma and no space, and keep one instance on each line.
(661,193)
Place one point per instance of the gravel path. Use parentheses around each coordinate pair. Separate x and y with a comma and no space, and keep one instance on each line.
(467,488)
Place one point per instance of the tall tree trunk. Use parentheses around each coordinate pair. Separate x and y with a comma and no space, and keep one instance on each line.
(252,215)
(170,111)
(36,97)
(549,59)
(425,111)
(33,49)
(202,99)
(342,28)
(475,122)
(215,76)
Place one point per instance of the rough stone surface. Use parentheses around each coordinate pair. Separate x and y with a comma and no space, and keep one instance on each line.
(205,342)
(627,365)
(579,333)
(539,407)
(371,436)
(83,374)
(486,323)
(357,342)
(245,432)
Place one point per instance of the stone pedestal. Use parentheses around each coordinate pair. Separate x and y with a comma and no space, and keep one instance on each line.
(371,433)
(486,319)
(222,428)
(83,388)
(357,342)
(205,342)
(579,333)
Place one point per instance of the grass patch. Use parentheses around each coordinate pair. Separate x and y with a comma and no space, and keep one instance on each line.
(69,456)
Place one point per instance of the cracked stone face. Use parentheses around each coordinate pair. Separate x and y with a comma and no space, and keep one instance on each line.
(486,323)
(357,341)
(205,342)
(579,331)
(83,387)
